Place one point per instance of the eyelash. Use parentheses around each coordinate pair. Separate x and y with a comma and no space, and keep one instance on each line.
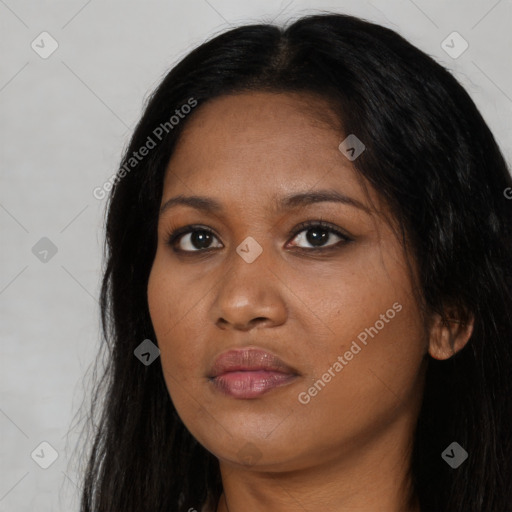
(173,236)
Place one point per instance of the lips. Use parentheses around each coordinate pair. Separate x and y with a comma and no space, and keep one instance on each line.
(248,373)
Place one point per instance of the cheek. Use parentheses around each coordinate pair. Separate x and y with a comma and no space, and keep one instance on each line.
(173,309)
(172,303)
(359,388)
(371,352)
(367,296)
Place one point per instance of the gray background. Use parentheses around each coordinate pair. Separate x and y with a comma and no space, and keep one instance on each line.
(65,121)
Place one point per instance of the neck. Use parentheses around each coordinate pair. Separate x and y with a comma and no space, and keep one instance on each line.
(375,476)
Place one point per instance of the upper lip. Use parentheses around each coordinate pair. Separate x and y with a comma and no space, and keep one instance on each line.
(248,359)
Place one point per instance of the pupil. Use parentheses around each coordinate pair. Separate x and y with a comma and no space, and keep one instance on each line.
(316,239)
(201,239)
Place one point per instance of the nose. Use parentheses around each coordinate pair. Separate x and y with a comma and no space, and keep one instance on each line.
(250,294)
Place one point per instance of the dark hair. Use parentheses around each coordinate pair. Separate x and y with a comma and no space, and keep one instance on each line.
(429,154)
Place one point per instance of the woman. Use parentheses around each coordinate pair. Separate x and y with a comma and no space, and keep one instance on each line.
(311,224)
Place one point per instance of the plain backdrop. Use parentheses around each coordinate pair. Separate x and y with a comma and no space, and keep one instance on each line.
(65,120)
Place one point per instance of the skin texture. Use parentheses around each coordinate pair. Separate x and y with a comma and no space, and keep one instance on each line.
(349,447)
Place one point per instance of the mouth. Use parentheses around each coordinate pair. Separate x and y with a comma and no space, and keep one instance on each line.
(249,373)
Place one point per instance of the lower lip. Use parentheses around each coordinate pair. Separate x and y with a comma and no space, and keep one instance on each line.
(251,384)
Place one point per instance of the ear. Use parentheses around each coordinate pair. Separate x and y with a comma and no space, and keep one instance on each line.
(447,337)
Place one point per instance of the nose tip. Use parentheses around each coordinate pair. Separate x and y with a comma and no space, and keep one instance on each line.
(244,301)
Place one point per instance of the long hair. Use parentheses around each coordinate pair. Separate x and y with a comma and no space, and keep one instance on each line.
(430,156)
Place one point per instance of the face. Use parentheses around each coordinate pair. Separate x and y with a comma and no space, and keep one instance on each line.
(334,303)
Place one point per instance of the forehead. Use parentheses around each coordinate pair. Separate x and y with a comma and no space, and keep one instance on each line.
(261,145)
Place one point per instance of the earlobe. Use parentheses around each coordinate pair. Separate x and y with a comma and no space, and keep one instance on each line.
(448,337)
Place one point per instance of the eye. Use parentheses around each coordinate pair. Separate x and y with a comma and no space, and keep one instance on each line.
(191,239)
(317,233)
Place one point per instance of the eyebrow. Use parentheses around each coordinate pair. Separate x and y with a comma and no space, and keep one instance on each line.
(291,201)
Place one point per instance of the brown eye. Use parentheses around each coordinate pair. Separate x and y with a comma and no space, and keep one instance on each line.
(191,239)
(317,234)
